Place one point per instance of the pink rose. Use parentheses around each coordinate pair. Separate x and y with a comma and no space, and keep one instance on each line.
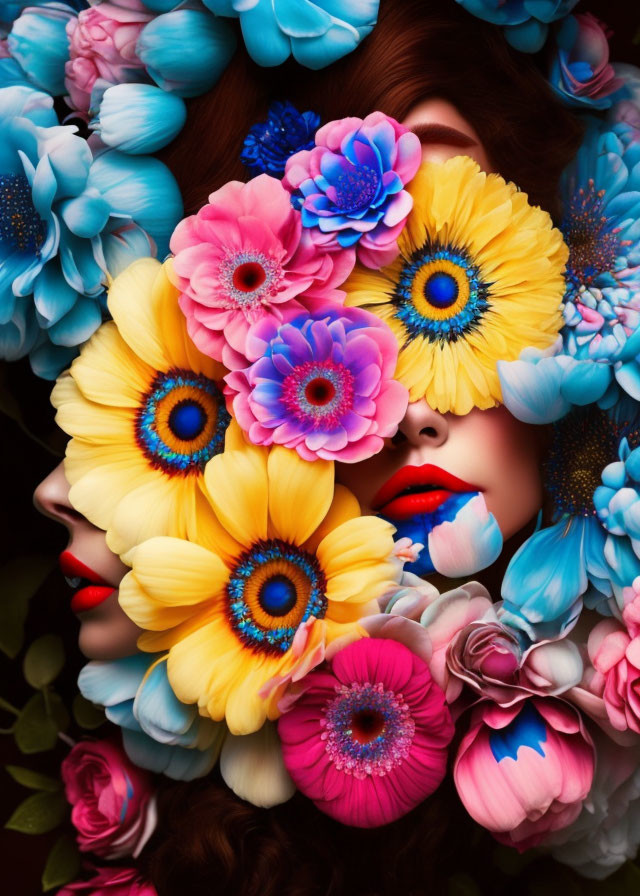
(112,807)
(111,882)
(102,45)
(615,653)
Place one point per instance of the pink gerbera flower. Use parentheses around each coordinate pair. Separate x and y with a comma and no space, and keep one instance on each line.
(244,257)
(367,739)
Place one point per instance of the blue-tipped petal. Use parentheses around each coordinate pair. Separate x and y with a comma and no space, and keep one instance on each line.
(585,382)
(19,334)
(78,324)
(108,683)
(139,118)
(178,763)
(85,215)
(142,188)
(160,713)
(533,391)
(48,361)
(186,51)
(39,42)
(52,295)
(124,244)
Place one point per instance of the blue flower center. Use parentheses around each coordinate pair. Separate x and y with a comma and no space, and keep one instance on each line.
(441,290)
(21,227)
(278,596)
(187,420)
(356,188)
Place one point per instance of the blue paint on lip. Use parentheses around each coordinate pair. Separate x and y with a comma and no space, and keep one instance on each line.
(418,527)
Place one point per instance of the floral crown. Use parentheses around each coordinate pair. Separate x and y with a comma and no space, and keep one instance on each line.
(295,318)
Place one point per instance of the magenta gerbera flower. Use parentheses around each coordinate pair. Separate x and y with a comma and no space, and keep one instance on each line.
(367,739)
(321,383)
(244,257)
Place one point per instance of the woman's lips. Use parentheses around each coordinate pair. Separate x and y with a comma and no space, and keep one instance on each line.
(414,490)
(76,573)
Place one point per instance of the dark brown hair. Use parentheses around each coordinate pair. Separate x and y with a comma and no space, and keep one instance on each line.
(209,841)
(420,49)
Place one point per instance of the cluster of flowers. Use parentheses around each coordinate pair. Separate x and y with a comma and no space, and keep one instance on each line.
(125,68)
(206,418)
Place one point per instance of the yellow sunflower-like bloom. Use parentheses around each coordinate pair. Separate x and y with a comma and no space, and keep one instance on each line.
(285,554)
(145,413)
(479,278)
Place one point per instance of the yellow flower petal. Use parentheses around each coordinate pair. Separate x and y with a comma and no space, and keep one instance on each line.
(108,372)
(344,507)
(176,572)
(156,507)
(357,542)
(236,483)
(85,419)
(300,494)
(129,302)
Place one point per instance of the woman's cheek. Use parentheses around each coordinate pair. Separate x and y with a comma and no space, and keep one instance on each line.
(106,632)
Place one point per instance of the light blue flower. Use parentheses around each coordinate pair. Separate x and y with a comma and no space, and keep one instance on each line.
(186,51)
(316,33)
(38,42)
(525,22)
(67,222)
(139,118)
(617,500)
(9,11)
(575,558)
(159,732)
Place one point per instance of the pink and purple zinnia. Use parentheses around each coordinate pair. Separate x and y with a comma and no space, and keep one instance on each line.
(350,186)
(367,740)
(321,384)
(245,257)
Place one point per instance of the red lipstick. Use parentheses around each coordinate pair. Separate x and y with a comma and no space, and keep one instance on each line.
(94,589)
(414,490)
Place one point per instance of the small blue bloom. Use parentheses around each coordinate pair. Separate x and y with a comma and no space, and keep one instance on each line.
(617,500)
(316,33)
(139,118)
(159,732)
(186,51)
(39,42)
(525,22)
(269,144)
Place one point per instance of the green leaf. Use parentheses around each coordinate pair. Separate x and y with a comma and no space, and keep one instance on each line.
(33,780)
(63,864)
(43,661)
(36,728)
(87,714)
(20,579)
(39,813)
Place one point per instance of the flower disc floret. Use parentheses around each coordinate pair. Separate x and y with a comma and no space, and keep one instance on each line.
(145,413)
(350,186)
(478,279)
(283,565)
(321,384)
(244,257)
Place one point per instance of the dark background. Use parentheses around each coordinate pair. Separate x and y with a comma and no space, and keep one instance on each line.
(25,461)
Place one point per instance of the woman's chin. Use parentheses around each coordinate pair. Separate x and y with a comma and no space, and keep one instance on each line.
(106,632)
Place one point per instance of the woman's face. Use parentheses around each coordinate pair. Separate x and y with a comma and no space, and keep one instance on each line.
(93,572)
(489,451)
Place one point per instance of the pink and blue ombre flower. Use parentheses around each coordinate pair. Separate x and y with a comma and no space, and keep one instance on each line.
(350,186)
(320,383)
(524,771)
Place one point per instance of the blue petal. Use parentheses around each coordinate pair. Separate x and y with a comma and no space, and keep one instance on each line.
(108,683)
(78,324)
(53,297)
(48,361)
(39,42)
(178,763)
(85,215)
(532,391)
(139,118)
(159,712)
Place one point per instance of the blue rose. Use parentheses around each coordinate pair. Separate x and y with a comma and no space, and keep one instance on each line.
(525,22)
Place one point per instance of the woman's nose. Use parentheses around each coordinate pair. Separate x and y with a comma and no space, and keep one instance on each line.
(424,426)
(51,498)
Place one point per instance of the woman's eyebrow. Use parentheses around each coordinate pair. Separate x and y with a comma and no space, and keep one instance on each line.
(432,132)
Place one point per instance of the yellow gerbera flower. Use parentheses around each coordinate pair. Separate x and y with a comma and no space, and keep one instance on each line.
(286,564)
(145,412)
(479,277)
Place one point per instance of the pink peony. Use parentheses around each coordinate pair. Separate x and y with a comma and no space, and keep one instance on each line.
(350,186)
(614,651)
(111,882)
(102,46)
(367,738)
(524,771)
(321,384)
(111,799)
(245,257)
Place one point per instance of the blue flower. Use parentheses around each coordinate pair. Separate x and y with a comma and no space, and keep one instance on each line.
(575,558)
(186,51)
(139,118)
(316,33)
(617,500)
(67,222)
(38,42)
(159,732)
(269,144)
(525,22)
(9,11)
